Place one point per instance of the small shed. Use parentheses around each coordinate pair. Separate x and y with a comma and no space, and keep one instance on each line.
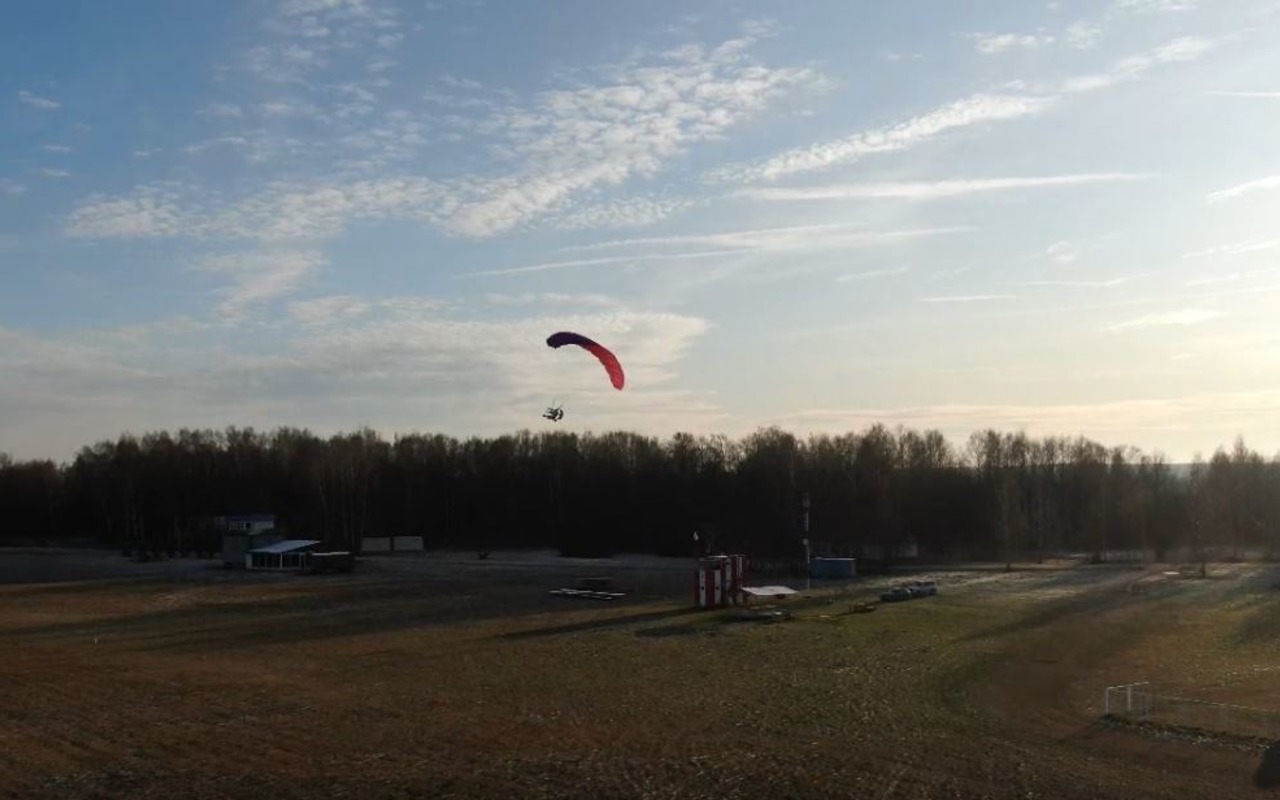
(288,554)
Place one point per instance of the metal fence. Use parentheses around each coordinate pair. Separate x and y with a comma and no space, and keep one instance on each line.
(1136,701)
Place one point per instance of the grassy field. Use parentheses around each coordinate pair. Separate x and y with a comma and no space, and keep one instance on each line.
(455,678)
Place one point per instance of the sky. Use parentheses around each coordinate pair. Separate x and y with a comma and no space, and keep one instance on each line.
(1056,217)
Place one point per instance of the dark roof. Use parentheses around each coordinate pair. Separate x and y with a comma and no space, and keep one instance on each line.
(287,546)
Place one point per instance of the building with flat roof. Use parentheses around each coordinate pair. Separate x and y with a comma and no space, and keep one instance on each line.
(289,554)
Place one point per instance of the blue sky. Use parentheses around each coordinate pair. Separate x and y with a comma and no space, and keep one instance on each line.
(1057,217)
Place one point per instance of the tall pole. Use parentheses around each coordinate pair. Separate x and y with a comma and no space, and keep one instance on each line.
(808,569)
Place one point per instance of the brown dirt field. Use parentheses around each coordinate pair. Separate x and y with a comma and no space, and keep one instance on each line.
(421,679)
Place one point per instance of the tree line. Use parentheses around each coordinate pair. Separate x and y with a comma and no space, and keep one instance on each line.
(873,493)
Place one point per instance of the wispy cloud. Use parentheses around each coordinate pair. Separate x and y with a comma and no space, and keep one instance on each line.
(1062,252)
(929,190)
(617,122)
(11,187)
(1156,5)
(54,174)
(1220,278)
(1182,317)
(637,118)
(1082,284)
(551,266)
(36,101)
(1235,248)
(872,273)
(783,238)
(1083,35)
(1181,50)
(258,276)
(993,43)
(280,211)
(621,213)
(974,110)
(310,33)
(967,298)
(1259,185)
(347,310)
(57,148)
(576,300)
(489,376)
(1121,417)
(1255,95)
(222,111)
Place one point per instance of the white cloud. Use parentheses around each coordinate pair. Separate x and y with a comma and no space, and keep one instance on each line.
(55,174)
(967,298)
(1182,317)
(1234,249)
(151,212)
(286,108)
(1255,95)
(639,117)
(222,111)
(280,211)
(1199,413)
(872,273)
(974,110)
(993,43)
(929,190)
(57,148)
(785,238)
(36,101)
(257,277)
(1218,279)
(632,212)
(1259,185)
(581,300)
(345,310)
(310,36)
(398,366)
(1156,5)
(551,266)
(1184,49)
(627,121)
(1083,36)
(1062,252)
(219,141)
(11,187)
(1099,284)
(329,310)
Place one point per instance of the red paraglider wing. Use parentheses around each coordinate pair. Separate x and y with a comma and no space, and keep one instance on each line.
(608,359)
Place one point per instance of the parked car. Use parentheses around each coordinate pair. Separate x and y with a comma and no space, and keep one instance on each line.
(924,588)
(896,594)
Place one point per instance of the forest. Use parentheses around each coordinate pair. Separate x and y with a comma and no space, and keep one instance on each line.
(999,496)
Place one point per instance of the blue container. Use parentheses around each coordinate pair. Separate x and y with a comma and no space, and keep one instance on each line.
(832,568)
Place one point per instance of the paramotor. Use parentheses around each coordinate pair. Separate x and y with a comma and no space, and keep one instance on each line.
(606,358)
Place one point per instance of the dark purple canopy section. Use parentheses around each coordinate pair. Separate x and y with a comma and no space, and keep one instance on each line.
(608,359)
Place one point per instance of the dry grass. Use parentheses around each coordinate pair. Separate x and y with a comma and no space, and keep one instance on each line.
(411,683)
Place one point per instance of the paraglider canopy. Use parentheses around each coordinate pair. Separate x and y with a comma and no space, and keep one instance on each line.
(606,358)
